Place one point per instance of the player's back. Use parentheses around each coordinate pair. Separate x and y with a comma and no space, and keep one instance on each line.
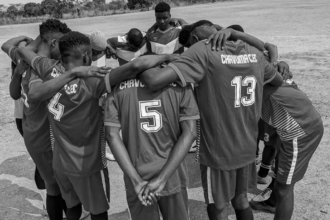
(289,110)
(150,123)
(165,42)
(75,116)
(230,98)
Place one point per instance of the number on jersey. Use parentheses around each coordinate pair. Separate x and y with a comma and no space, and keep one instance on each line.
(145,112)
(56,108)
(237,82)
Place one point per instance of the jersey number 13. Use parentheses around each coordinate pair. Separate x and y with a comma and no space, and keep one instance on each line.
(250,81)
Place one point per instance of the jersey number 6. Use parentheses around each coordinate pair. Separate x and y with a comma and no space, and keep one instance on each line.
(56,108)
(145,112)
(238,83)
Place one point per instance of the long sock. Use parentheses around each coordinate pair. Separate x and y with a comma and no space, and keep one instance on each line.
(245,214)
(264,169)
(271,185)
(74,213)
(102,216)
(65,209)
(54,207)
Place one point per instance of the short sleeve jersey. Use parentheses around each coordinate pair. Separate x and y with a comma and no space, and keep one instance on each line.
(229,96)
(124,53)
(75,117)
(289,110)
(165,42)
(36,128)
(150,123)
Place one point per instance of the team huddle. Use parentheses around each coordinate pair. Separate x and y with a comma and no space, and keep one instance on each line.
(176,84)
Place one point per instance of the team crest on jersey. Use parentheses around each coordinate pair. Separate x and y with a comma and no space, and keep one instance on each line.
(55,73)
(71,89)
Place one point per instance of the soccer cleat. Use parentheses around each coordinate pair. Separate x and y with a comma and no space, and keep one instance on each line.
(263,180)
(264,195)
(262,206)
(84,215)
(110,157)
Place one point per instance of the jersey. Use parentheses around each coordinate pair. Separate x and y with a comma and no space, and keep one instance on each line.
(165,42)
(75,117)
(150,123)
(229,96)
(35,124)
(289,110)
(123,52)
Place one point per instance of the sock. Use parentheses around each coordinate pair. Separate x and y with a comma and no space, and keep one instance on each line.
(271,185)
(245,214)
(269,203)
(264,169)
(74,213)
(101,216)
(54,207)
(64,208)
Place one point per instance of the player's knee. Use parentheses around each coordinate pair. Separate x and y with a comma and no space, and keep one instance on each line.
(53,189)
(282,190)
(240,202)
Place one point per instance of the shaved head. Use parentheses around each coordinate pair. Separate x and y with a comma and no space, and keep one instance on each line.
(201,33)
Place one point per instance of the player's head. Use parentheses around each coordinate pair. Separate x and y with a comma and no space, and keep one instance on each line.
(50,32)
(185,35)
(76,49)
(201,30)
(98,44)
(163,15)
(236,27)
(135,39)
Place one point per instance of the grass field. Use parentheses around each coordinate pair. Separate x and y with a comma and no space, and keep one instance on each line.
(300,29)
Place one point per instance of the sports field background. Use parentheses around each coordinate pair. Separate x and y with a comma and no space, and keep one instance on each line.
(300,29)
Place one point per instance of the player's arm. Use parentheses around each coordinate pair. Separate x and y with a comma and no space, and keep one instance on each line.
(132,69)
(14,42)
(120,153)
(15,84)
(272,52)
(177,155)
(155,79)
(40,91)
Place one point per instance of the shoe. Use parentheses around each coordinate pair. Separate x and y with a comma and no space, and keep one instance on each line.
(110,157)
(264,195)
(262,206)
(85,214)
(263,180)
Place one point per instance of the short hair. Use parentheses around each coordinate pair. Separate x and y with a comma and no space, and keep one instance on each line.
(201,23)
(162,7)
(73,44)
(53,26)
(135,37)
(236,27)
(184,35)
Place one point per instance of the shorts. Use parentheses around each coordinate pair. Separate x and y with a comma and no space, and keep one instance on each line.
(90,191)
(294,156)
(221,186)
(44,163)
(267,133)
(170,207)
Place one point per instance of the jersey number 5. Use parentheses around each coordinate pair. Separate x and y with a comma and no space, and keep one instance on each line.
(56,108)
(238,83)
(145,112)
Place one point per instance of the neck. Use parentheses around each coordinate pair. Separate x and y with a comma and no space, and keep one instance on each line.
(70,64)
(44,50)
(168,26)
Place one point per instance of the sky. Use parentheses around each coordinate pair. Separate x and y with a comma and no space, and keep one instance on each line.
(7,2)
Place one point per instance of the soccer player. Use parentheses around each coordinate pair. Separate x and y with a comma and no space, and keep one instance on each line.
(229,93)
(165,39)
(158,129)
(300,129)
(129,46)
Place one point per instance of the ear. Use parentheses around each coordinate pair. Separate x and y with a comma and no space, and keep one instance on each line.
(87,60)
(53,43)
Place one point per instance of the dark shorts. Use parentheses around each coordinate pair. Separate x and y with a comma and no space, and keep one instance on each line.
(294,156)
(90,191)
(221,186)
(44,163)
(267,133)
(170,207)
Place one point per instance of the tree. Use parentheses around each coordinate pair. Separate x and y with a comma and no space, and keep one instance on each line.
(12,11)
(137,4)
(32,9)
